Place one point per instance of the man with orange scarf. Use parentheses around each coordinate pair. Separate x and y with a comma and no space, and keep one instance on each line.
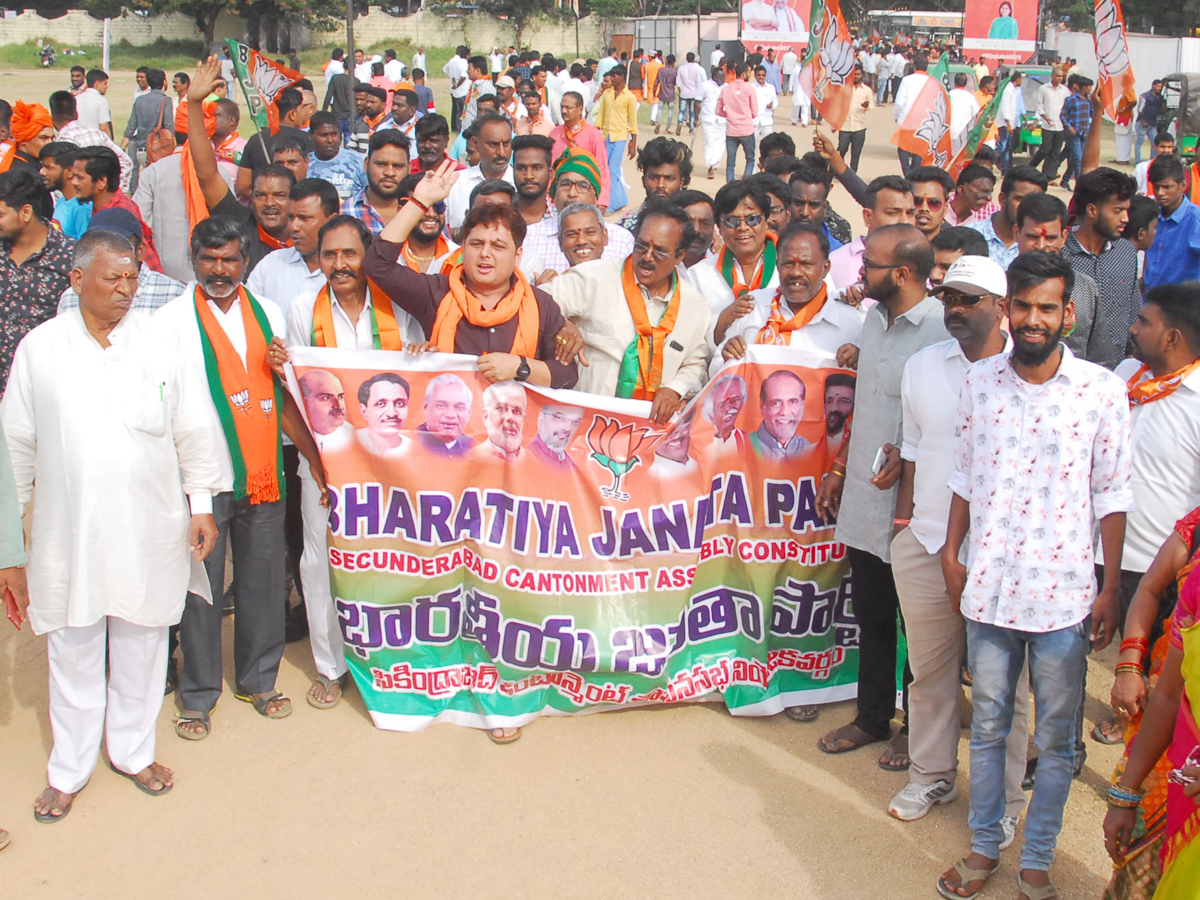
(231,341)
(351,313)
(647,342)
(32,128)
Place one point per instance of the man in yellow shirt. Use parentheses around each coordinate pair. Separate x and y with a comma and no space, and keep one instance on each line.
(615,114)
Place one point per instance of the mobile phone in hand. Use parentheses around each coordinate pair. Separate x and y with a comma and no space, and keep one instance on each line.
(880,461)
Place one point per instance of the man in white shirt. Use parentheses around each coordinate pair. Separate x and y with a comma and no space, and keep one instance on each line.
(964,109)
(393,69)
(1050,99)
(764,122)
(972,293)
(496,61)
(609,320)
(800,313)
(102,416)
(228,340)
(418,59)
(348,303)
(906,95)
(870,63)
(362,65)
(294,273)
(787,64)
(92,106)
(1164,142)
(715,58)
(495,149)
(1028,587)
(1008,121)
(456,70)
(336,65)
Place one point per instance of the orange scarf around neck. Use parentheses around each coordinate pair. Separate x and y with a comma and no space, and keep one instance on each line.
(651,340)
(273,243)
(778,330)
(384,329)
(1152,389)
(459,304)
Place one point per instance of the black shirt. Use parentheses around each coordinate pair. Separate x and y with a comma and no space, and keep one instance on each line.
(339,96)
(252,156)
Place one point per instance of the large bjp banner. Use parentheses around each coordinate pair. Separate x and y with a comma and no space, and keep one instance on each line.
(500,552)
(1000,30)
(777,24)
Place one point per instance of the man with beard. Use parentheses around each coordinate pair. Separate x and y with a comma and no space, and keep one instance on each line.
(1097,250)
(666,167)
(781,404)
(70,216)
(1014,611)
(340,166)
(1042,225)
(495,149)
(387,164)
(325,403)
(433,137)
(809,189)
(972,294)
(1000,228)
(405,118)
(294,273)
(30,128)
(647,341)
(504,405)
(372,116)
(427,249)
(952,242)
(557,425)
(888,201)
(896,263)
(839,407)
(265,221)
(722,406)
(799,313)
(230,341)
(350,313)
(95,175)
(447,409)
(576,180)
(531,176)
(972,194)
(575,133)
(931,189)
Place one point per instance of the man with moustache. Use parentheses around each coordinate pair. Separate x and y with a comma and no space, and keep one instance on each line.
(340,166)
(557,425)
(447,409)
(972,294)
(387,164)
(325,403)
(495,149)
(931,189)
(666,167)
(839,407)
(383,404)
(575,133)
(895,268)
(799,313)
(504,405)
(1013,610)
(294,273)
(722,406)
(1000,228)
(781,403)
(372,116)
(433,137)
(427,249)
(531,166)
(582,235)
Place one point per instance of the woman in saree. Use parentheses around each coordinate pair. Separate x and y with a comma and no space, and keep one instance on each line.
(1138,820)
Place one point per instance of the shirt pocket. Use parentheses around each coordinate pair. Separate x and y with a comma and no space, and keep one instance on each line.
(143,406)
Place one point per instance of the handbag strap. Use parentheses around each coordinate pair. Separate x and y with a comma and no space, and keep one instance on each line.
(162,113)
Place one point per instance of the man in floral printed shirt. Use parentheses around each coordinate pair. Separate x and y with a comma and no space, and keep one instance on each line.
(35,261)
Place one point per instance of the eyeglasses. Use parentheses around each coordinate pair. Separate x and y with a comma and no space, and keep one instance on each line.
(640,248)
(440,207)
(871,265)
(572,184)
(951,297)
(932,202)
(735,222)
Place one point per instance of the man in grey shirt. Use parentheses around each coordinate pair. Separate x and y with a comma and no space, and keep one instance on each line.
(149,110)
(896,264)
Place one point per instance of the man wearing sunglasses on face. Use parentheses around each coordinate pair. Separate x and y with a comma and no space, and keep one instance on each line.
(971,295)
(931,188)
(665,362)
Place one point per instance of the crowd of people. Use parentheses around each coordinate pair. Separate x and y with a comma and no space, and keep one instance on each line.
(1015,475)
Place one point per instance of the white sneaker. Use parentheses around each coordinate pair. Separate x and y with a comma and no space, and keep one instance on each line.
(916,800)
(1009,824)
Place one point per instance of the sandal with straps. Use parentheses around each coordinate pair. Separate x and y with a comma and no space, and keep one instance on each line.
(966,875)
(262,702)
(1044,892)
(188,715)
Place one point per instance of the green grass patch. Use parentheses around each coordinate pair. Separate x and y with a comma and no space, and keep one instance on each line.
(171,56)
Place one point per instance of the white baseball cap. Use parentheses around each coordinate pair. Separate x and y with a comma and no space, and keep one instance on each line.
(975,275)
(505,81)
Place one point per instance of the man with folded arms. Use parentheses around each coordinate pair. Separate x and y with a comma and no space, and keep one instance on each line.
(972,293)
(102,415)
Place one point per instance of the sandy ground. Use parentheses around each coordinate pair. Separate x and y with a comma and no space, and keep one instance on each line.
(684,801)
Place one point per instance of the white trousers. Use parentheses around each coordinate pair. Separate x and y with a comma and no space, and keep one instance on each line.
(801,108)
(761,131)
(83,706)
(324,633)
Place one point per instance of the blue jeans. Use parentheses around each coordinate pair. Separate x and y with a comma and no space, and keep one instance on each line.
(1074,157)
(617,196)
(1057,663)
(746,142)
(689,113)
(1141,132)
(1004,148)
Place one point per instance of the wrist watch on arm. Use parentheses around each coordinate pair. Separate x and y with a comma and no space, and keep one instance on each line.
(523,369)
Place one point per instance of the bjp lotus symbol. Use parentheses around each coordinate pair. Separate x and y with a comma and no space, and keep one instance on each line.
(614,446)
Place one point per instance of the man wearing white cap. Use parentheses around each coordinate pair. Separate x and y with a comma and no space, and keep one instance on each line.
(971,294)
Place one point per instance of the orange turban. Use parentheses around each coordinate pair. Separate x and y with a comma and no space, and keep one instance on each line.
(210,118)
(28,120)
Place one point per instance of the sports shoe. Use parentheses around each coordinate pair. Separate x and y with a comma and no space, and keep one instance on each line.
(1009,824)
(915,800)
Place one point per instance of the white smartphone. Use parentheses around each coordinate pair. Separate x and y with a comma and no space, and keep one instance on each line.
(880,461)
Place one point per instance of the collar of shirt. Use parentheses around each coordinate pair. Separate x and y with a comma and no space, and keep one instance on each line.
(1074,246)
(927,307)
(1180,213)
(1069,370)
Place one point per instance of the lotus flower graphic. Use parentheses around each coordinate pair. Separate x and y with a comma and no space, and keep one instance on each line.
(931,131)
(1112,57)
(240,400)
(614,446)
(268,407)
(837,58)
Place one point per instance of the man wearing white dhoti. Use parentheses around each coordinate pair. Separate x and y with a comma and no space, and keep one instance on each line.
(101,416)
(712,126)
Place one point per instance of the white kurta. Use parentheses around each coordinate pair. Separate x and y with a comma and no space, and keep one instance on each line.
(112,438)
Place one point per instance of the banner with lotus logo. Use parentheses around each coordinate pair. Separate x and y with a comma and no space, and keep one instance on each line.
(502,551)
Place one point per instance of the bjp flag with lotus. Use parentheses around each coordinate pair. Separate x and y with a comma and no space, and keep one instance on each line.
(261,81)
(828,76)
(1112,56)
(925,130)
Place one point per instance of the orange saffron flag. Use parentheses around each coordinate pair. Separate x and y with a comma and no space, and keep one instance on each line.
(828,76)
(1112,56)
(925,130)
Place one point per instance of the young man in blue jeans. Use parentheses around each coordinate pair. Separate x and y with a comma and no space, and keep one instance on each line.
(1042,452)
(1076,118)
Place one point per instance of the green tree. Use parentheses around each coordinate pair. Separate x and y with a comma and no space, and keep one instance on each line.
(203,12)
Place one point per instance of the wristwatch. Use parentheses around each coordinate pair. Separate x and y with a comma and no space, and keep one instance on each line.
(523,369)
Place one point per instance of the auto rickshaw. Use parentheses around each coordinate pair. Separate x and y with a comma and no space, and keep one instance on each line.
(1181,111)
